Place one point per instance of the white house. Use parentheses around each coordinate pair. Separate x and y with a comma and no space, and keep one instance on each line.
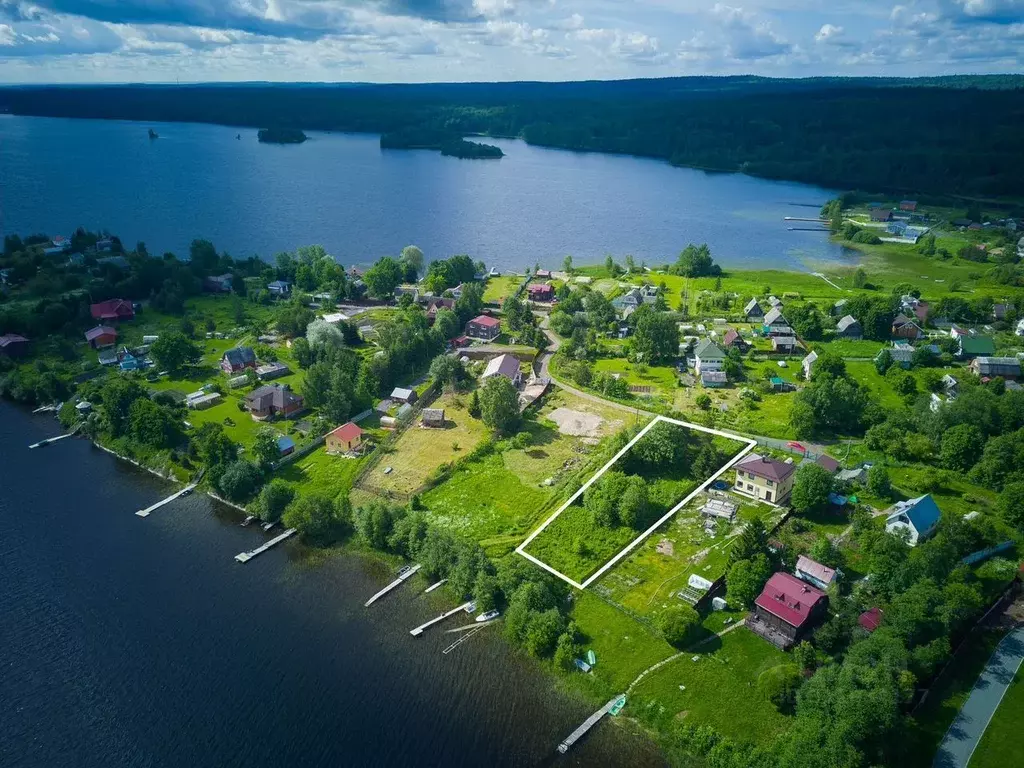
(918,517)
(808,363)
(708,356)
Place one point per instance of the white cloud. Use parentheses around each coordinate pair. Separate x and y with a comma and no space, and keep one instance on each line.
(636,47)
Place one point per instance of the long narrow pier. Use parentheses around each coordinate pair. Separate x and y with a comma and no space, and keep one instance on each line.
(589,723)
(424,627)
(245,557)
(397,582)
(49,440)
(819,220)
(153,508)
(434,586)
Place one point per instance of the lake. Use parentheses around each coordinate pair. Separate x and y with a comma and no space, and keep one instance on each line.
(141,642)
(361,202)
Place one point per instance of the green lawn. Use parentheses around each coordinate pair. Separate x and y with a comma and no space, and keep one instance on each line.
(420,451)
(500,288)
(718,689)
(319,472)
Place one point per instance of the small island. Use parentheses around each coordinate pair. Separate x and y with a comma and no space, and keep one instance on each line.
(281,136)
(449,144)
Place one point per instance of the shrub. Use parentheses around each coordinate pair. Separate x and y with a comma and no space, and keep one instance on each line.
(780,684)
(677,624)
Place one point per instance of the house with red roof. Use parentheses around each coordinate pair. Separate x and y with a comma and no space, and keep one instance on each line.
(786,610)
(13,345)
(112,310)
(815,573)
(733,340)
(484,327)
(765,478)
(344,439)
(871,619)
(101,336)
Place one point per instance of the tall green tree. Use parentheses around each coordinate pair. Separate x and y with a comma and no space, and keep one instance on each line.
(499,405)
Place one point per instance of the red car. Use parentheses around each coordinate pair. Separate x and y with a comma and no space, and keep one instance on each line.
(796,446)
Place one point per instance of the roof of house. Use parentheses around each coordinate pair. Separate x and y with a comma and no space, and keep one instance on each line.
(433,414)
(815,570)
(846,322)
(540,288)
(506,365)
(880,214)
(239,356)
(731,337)
(827,462)
(348,431)
(486,320)
(871,619)
(279,284)
(284,443)
(768,468)
(401,393)
(922,512)
(852,474)
(773,314)
(714,377)
(111,308)
(812,356)
(752,304)
(11,338)
(898,354)
(1001,361)
(272,394)
(789,598)
(783,341)
(901,320)
(99,330)
(708,350)
(977,345)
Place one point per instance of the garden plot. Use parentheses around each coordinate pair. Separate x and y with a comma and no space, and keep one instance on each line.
(652,477)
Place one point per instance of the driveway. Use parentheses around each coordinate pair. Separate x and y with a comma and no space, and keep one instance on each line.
(969,726)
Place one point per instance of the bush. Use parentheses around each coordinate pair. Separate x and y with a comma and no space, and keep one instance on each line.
(779,685)
(677,624)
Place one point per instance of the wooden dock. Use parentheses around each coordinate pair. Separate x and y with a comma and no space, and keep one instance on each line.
(434,586)
(397,582)
(245,557)
(183,492)
(818,220)
(423,627)
(475,628)
(589,723)
(49,440)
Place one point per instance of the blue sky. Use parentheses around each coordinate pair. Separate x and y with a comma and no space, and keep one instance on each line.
(91,41)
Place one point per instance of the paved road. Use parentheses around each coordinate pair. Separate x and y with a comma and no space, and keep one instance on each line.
(969,726)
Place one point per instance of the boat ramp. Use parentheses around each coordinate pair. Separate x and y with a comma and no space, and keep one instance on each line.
(153,508)
(245,557)
(590,722)
(397,582)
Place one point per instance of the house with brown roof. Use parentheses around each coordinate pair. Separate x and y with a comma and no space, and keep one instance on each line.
(112,310)
(540,292)
(765,478)
(733,340)
(101,336)
(786,610)
(433,417)
(273,400)
(238,359)
(827,463)
(484,327)
(13,345)
(881,214)
(783,345)
(905,328)
(344,439)
(849,328)
(908,206)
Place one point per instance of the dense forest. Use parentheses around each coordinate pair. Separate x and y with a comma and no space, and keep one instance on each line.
(938,136)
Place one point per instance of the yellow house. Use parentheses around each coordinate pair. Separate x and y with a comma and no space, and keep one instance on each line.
(764,478)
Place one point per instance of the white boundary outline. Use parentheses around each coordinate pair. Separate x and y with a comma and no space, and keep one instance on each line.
(521,549)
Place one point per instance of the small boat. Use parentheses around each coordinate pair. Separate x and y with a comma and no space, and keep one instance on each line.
(581,665)
(404,570)
(186,491)
(471,608)
(247,520)
(488,616)
(591,658)
(618,705)
(268,526)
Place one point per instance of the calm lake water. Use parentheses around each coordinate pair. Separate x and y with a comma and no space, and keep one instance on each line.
(141,642)
(344,192)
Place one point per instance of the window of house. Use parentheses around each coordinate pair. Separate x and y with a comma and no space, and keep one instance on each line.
(750,487)
(770,483)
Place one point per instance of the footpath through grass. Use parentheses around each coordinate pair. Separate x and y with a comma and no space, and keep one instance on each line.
(1003,742)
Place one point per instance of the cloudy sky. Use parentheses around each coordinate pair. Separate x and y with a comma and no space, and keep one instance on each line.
(438,40)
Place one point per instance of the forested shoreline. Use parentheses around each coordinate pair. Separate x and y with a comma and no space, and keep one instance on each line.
(940,137)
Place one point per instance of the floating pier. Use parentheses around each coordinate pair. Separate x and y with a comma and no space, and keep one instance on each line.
(183,492)
(589,723)
(434,586)
(397,582)
(423,627)
(474,629)
(245,557)
(798,218)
